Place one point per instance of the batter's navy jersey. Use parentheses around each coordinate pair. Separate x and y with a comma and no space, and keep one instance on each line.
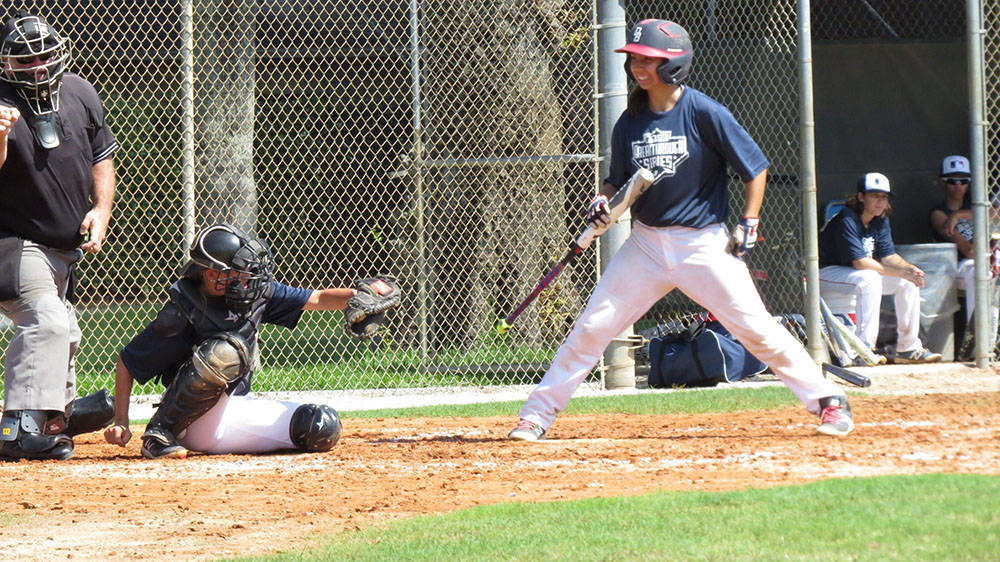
(151,354)
(846,239)
(687,149)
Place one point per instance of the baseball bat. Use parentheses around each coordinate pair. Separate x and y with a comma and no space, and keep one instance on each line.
(839,351)
(837,342)
(619,203)
(848,335)
(848,375)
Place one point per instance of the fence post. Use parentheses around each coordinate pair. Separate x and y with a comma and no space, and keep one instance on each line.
(980,204)
(187,123)
(807,181)
(417,173)
(612,90)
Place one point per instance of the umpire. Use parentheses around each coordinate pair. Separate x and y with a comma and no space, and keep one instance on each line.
(58,181)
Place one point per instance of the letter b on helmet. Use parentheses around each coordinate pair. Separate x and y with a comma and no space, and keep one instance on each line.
(665,40)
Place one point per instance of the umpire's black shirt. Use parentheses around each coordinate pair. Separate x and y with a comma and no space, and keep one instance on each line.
(44,194)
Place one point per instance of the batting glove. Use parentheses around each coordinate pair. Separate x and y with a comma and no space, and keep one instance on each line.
(744,237)
(598,213)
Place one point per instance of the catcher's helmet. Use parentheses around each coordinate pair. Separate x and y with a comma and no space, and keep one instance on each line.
(661,39)
(42,55)
(225,248)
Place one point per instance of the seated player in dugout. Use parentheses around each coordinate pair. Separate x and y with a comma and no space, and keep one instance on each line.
(856,254)
(203,347)
(951,221)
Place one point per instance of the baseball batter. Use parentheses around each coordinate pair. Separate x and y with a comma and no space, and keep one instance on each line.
(203,347)
(679,238)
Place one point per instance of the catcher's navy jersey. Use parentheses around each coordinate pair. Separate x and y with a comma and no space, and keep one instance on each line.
(687,149)
(846,239)
(153,354)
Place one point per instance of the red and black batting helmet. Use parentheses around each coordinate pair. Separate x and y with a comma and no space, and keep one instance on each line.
(665,40)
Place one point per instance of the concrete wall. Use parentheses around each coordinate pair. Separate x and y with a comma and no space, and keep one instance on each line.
(896,108)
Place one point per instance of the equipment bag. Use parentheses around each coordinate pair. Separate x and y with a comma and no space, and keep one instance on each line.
(705,355)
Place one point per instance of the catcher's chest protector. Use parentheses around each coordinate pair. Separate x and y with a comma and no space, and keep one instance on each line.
(209,317)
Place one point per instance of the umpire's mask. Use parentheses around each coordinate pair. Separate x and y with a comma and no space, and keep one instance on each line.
(34,57)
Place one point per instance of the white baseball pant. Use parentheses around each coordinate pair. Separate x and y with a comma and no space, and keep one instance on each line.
(651,263)
(965,279)
(240,424)
(869,286)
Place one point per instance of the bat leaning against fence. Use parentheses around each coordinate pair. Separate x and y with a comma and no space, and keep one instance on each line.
(622,200)
(852,341)
(836,344)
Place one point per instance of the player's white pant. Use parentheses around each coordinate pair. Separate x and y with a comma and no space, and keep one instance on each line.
(651,263)
(869,286)
(965,279)
(240,424)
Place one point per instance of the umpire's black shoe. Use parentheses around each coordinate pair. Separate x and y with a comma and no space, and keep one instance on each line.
(158,443)
(38,447)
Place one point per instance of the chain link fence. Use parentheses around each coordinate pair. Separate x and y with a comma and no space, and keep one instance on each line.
(451,144)
(991,87)
(746,58)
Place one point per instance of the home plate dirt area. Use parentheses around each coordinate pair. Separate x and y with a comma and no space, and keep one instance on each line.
(109,503)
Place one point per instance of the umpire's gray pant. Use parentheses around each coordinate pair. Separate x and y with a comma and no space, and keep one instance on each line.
(38,369)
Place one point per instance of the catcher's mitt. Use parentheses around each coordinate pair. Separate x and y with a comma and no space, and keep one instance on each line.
(365,311)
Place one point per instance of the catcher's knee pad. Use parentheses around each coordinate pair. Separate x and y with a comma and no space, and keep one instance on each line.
(216,363)
(314,428)
(222,359)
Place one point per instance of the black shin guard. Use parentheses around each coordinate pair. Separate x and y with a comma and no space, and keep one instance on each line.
(90,413)
(188,398)
(217,362)
(22,436)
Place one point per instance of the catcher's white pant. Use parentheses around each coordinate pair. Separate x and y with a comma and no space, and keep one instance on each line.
(651,263)
(869,286)
(240,424)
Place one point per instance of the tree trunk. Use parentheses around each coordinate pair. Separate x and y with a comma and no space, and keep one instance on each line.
(224,109)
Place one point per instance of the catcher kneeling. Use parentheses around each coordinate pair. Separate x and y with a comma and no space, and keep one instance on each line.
(203,347)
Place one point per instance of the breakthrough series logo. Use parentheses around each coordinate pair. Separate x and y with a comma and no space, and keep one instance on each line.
(660,151)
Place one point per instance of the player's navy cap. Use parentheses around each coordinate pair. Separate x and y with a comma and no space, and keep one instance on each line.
(873,182)
(955,165)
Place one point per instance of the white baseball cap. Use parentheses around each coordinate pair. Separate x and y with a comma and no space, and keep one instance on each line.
(873,181)
(955,165)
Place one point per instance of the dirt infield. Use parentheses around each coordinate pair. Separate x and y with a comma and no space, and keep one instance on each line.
(107,503)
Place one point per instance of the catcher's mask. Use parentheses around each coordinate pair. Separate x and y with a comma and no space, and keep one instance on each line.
(665,40)
(34,57)
(244,264)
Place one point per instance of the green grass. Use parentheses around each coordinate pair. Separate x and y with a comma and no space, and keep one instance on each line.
(929,517)
(316,355)
(689,402)
(693,401)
